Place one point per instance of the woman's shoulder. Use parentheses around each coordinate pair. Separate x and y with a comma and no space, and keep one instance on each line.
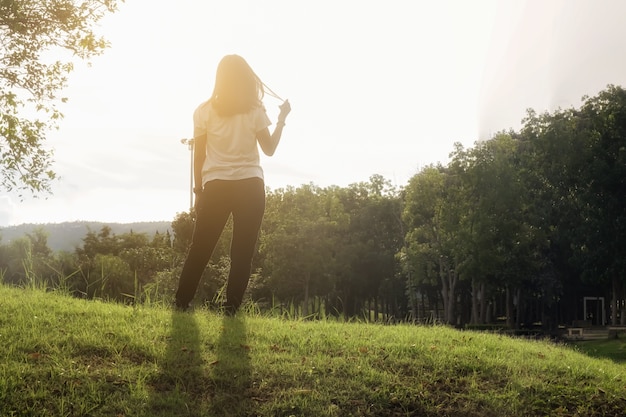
(204,107)
(202,111)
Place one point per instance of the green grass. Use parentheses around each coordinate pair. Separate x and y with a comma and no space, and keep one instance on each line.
(614,349)
(61,356)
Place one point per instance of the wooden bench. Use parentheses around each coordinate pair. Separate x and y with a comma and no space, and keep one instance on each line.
(617,328)
(574,332)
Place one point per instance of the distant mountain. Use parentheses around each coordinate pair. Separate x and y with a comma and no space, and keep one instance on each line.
(67,236)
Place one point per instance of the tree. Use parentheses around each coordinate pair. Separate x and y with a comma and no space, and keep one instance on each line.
(31,33)
(575,165)
(493,219)
(600,238)
(182,227)
(428,254)
(550,148)
(297,250)
(369,246)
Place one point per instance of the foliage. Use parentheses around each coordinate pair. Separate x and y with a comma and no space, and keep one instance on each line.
(182,227)
(427,256)
(367,248)
(576,162)
(296,251)
(535,215)
(38,41)
(513,231)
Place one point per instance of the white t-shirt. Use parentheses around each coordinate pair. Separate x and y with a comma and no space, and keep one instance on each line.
(231,146)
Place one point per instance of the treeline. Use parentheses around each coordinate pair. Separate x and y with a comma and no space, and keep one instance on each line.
(517,229)
(525,225)
(68,235)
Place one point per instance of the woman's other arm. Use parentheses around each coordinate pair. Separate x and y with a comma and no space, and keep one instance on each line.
(199,155)
(268,142)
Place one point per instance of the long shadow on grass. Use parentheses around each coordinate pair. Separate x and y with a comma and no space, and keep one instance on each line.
(231,371)
(178,388)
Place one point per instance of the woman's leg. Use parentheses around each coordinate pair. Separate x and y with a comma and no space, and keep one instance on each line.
(213,210)
(248,209)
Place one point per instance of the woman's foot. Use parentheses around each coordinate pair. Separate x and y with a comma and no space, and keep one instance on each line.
(182,308)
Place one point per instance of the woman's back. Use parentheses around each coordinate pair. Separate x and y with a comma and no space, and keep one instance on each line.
(231,142)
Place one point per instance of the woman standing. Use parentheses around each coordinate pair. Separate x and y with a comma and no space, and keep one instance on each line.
(228,176)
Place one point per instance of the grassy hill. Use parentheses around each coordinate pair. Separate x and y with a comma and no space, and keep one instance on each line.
(61,356)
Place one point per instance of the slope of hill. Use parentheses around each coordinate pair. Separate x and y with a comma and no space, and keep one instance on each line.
(69,235)
(61,356)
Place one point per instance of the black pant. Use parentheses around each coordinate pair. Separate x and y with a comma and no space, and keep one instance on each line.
(245,199)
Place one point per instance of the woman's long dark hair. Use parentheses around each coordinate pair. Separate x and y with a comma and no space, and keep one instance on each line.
(237,88)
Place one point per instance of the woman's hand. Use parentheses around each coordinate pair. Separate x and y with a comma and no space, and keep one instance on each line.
(285,108)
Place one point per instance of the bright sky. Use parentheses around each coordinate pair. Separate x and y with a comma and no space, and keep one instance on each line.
(376,87)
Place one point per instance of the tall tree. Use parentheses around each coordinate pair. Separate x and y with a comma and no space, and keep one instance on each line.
(33,34)
(549,149)
(494,219)
(601,237)
(369,247)
(428,256)
(297,250)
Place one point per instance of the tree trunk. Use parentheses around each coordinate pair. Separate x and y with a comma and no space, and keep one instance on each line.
(482,319)
(448,283)
(414,304)
(474,315)
(623,309)
(372,310)
(518,316)
(509,308)
(621,300)
(444,291)
(615,302)
(316,307)
(383,310)
(448,292)
(375,308)
(305,303)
